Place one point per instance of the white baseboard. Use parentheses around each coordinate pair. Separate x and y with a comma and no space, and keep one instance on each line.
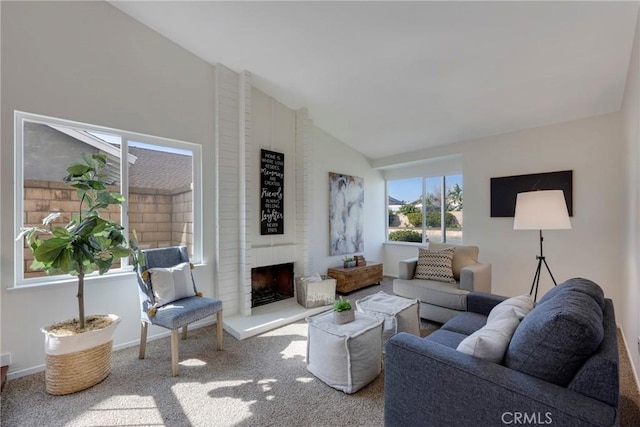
(626,348)
(24,372)
(39,368)
(5,359)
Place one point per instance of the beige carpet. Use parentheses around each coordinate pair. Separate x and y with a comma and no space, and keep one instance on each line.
(261,381)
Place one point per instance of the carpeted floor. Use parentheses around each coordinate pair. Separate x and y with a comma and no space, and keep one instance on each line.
(261,381)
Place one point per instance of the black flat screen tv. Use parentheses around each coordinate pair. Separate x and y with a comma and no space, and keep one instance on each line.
(505,189)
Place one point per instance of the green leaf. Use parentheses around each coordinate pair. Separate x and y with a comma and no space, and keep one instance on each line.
(101,159)
(78,169)
(117,197)
(66,261)
(105,198)
(37,265)
(50,249)
(86,226)
(120,252)
(88,158)
(61,232)
(100,225)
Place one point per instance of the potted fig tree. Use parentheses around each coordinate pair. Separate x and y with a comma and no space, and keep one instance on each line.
(78,351)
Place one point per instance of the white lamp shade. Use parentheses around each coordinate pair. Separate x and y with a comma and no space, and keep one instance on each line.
(541,210)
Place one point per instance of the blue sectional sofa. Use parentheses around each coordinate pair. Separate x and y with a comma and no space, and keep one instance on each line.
(560,367)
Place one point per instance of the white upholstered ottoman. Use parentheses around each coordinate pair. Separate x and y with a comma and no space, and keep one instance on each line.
(399,314)
(346,357)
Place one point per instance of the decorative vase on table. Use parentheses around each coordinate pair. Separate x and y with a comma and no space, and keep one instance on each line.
(349,264)
(342,317)
(342,311)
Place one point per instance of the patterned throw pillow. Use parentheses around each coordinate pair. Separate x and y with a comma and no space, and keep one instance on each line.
(435,265)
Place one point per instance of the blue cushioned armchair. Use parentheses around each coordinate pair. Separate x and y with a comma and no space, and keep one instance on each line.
(176,314)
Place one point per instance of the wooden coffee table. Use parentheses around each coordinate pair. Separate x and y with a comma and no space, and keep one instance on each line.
(354,278)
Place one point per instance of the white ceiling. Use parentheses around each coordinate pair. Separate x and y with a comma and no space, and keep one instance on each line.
(396,77)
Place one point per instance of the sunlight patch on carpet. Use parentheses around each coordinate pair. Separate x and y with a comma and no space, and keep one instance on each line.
(122,410)
(193,362)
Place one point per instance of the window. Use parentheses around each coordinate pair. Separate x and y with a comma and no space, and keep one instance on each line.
(159,178)
(425,209)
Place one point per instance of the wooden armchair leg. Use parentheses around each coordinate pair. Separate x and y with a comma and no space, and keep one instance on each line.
(174,352)
(143,340)
(219,329)
(184,332)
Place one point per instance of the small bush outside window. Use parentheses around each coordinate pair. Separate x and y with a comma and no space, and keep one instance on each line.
(416,206)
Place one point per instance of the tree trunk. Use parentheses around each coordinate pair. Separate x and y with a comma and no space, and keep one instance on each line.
(81,298)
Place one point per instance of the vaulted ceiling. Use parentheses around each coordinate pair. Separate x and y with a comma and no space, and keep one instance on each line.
(396,77)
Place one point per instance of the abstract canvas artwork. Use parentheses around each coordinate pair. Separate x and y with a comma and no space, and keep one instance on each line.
(346,214)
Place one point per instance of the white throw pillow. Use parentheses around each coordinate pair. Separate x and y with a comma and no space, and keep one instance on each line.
(521,305)
(491,341)
(171,284)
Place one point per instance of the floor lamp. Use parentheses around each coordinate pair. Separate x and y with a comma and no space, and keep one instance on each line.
(541,210)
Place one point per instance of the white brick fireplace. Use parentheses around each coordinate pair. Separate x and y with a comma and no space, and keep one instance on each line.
(247,121)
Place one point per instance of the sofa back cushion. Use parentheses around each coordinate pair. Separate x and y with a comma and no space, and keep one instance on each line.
(555,339)
(577,284)
(599,377)
(462,256)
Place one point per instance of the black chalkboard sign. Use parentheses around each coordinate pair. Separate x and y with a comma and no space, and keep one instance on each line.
(271,192)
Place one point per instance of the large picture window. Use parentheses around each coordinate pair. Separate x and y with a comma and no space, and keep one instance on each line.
(425,209)
(159,178)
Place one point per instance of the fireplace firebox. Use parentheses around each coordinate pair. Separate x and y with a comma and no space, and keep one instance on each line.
(271,283)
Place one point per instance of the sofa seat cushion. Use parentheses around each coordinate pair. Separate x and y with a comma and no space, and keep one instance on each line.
(556,338)
(432,292)
(465,323)
(447,338)
(577,284)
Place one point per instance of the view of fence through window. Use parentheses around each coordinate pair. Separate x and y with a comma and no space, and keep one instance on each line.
(160,193)
(424,210)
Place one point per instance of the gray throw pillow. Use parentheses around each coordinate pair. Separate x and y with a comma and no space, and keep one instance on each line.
(556,338)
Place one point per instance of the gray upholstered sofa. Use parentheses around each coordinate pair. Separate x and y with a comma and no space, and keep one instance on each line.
(440,301)
(559,368)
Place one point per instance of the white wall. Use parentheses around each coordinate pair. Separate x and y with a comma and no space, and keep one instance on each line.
(593,149)
(330,155)
(89,62)
(630,294)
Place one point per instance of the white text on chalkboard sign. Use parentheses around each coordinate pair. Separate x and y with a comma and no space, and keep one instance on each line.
(271,192)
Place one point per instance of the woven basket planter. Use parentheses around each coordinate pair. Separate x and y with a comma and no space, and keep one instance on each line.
(77,362)
(342,317)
